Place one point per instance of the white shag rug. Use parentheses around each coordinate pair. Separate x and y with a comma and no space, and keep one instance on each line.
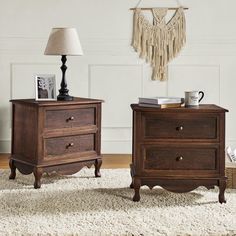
(84,205)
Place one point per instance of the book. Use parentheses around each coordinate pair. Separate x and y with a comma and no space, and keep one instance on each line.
(161,100)
(170,105)
(231,154)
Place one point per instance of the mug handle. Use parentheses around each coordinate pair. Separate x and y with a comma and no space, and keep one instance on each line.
(202,96)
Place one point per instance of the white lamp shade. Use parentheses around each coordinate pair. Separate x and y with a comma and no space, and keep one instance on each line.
(63,41)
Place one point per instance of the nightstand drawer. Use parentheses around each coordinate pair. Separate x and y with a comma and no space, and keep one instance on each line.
(67,118)
(179,127)
(69,144)
(180,158)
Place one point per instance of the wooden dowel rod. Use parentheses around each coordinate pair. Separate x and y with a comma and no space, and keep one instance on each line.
(149,8)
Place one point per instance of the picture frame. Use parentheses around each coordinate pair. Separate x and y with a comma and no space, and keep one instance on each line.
(45,87)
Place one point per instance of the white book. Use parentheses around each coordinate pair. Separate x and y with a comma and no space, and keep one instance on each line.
(231,154)
(161,100)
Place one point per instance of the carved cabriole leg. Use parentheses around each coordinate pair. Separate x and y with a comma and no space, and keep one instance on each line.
(13,169)
(131,185)
(37,175)
(222,187)
(137,185)
(98,163)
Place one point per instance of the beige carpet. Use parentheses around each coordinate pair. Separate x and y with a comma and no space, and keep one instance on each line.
(84,205)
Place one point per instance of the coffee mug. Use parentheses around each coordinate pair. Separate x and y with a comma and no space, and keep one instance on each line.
(192,98)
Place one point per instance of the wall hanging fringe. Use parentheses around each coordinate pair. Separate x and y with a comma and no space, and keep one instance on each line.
(160,42)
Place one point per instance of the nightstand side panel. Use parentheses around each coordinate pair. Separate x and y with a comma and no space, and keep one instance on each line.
(24,133)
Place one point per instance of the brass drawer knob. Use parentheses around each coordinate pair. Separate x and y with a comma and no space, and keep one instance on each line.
(180,128)
(179,158)
(71,118)
(70,145)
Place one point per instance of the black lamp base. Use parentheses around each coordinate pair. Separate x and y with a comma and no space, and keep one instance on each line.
(65,98)
(63,92)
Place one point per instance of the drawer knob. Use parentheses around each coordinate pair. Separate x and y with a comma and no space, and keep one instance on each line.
(180,128)
(179,158)
(70,145)
(71,118)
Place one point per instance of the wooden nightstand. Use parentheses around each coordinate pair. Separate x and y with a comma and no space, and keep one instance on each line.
(62,136)
(178,148)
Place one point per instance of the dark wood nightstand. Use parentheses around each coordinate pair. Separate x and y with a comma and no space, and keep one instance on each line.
(178,148)
(62,136)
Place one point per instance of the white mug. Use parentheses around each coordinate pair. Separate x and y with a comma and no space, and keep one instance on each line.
(192,98)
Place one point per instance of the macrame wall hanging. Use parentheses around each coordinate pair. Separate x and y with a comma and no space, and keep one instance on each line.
(159,42)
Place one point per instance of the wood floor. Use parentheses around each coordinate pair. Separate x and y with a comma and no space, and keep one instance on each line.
(110,161)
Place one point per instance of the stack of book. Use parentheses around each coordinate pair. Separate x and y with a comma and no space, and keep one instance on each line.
(161,102)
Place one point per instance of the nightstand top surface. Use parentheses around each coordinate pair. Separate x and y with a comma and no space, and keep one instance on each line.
(200,108)
(76,101)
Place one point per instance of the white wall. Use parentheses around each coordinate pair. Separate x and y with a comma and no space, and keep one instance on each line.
(109,68)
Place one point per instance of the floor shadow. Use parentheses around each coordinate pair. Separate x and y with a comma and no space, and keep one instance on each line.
(71,197)
(89,200)
(21,181)
(162,196)
(205,203)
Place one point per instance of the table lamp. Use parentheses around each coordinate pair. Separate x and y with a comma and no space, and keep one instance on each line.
(64,42)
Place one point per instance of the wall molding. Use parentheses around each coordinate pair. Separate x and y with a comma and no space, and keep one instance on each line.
(110,65)
(217,66)
(116,146)
(119,46)
(121,65)
(218,39)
